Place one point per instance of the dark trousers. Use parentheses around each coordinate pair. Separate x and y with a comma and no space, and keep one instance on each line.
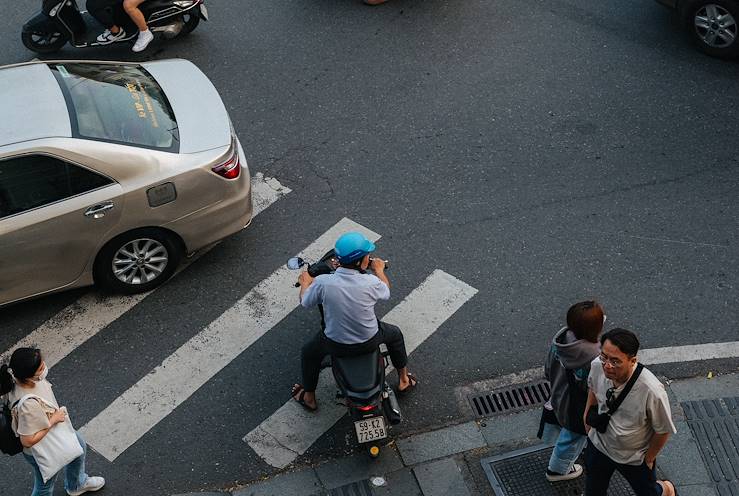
(107,12)
(600,468)
(317,348)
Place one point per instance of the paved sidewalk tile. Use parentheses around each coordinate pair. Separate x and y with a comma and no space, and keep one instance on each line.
(400,483)
(697,490)
(701,388)
(680,459)
(438,444)
(302,483)
(441,478)
(514,427)
(358,467)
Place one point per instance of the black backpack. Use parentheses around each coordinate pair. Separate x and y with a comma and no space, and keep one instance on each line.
(10,444)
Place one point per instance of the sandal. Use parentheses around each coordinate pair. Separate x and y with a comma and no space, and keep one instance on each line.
(412,384)
(298,389)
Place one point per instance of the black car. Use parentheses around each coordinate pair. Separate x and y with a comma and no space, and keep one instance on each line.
(713,23)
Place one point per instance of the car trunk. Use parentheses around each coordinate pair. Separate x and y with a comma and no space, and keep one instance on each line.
(201,117)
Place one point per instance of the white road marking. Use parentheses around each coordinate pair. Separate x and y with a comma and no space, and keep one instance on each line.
(156,395)
(689,353)
(93,312)
(291,430)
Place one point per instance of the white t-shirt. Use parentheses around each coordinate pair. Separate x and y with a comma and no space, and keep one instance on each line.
(644,412)
(32,416)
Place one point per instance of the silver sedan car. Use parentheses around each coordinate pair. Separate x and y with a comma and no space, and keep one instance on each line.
(110,173)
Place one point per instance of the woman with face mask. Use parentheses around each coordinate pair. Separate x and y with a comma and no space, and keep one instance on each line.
(35,418)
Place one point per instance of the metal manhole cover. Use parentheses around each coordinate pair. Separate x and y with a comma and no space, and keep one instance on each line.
(521,473)
(715,425)
(361,488)
(510,399)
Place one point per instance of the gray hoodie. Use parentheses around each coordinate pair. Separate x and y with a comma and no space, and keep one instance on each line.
(568,355)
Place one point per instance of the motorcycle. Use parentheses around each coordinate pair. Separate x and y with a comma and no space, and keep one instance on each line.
(61,21)
(360,380)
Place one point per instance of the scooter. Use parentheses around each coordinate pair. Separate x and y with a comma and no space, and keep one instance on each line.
(61,21)
(361,382)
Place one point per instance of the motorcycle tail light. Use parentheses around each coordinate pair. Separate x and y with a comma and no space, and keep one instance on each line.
(365,408)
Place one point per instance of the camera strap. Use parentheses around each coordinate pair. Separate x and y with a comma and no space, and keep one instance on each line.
(621,397)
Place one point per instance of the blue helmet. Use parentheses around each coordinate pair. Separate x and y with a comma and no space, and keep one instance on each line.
(352,246)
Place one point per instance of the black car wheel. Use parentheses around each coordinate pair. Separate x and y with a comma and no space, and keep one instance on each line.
(715,26)
(137,261)
(43,42)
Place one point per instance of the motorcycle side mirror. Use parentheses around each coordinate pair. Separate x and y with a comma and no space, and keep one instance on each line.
(295,263)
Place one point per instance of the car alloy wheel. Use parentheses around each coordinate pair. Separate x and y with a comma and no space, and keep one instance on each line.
(140,261)
(715,26)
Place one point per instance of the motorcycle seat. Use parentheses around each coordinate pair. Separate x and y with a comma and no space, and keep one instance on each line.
(360,373)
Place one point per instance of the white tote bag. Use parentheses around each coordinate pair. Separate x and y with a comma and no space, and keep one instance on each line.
(58,448)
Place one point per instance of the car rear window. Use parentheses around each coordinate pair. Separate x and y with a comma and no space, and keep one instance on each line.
(117,103)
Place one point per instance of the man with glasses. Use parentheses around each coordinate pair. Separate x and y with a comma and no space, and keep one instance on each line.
(637,430)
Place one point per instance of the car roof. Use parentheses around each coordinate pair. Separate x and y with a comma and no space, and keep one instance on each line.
(33,104)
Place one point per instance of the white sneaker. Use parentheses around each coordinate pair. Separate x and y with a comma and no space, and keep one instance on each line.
(143,40)
(574,473)
(91,485)
(108,37)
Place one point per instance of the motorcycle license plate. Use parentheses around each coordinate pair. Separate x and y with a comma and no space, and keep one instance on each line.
(370,429)
(204,11)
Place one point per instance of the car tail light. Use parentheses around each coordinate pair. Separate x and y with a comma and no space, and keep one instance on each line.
(231,168)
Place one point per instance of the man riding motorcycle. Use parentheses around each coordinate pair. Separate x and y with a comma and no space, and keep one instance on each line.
(351,328)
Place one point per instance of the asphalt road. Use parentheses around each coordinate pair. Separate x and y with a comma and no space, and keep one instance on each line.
(543,152)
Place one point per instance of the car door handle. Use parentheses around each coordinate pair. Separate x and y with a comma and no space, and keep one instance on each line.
(98,211)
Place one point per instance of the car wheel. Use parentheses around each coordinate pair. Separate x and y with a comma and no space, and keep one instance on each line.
(137,261)
(43,42)
(714,25)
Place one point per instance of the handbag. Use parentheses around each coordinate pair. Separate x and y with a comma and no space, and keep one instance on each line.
(10,444)
(600,421)
(58,448)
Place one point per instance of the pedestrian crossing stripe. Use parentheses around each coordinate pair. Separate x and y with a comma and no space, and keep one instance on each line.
(291,430)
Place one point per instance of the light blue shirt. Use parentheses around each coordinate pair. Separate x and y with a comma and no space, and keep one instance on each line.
(348,298)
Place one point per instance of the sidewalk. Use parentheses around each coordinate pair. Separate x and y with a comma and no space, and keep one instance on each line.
(458,460)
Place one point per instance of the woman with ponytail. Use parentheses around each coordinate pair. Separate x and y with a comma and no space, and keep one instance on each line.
(33,419)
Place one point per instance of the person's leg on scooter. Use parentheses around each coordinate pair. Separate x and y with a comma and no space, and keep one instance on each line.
(393,339)
(311,357)
(145,36)
(102,11)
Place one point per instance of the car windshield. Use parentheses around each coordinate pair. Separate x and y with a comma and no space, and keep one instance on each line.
(117,103)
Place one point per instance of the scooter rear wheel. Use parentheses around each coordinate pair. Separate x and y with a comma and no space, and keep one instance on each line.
(43,42)
(191,19)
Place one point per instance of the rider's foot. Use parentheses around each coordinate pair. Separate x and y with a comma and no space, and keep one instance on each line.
(145,37)
(109,37)
(406,383)
(305,398)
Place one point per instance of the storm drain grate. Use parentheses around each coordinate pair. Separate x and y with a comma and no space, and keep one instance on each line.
(521,473)
(361,488)
(715,425)
(510,399)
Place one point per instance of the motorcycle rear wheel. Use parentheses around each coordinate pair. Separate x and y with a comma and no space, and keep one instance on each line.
(43,42)
(192,19)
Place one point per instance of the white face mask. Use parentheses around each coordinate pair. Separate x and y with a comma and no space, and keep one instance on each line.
(43,374)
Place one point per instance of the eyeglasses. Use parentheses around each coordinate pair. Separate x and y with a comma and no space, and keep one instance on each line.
(613,362)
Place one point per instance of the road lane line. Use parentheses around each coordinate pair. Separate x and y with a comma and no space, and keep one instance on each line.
(689,353)
(157,394)
(291,430)
(71,327)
